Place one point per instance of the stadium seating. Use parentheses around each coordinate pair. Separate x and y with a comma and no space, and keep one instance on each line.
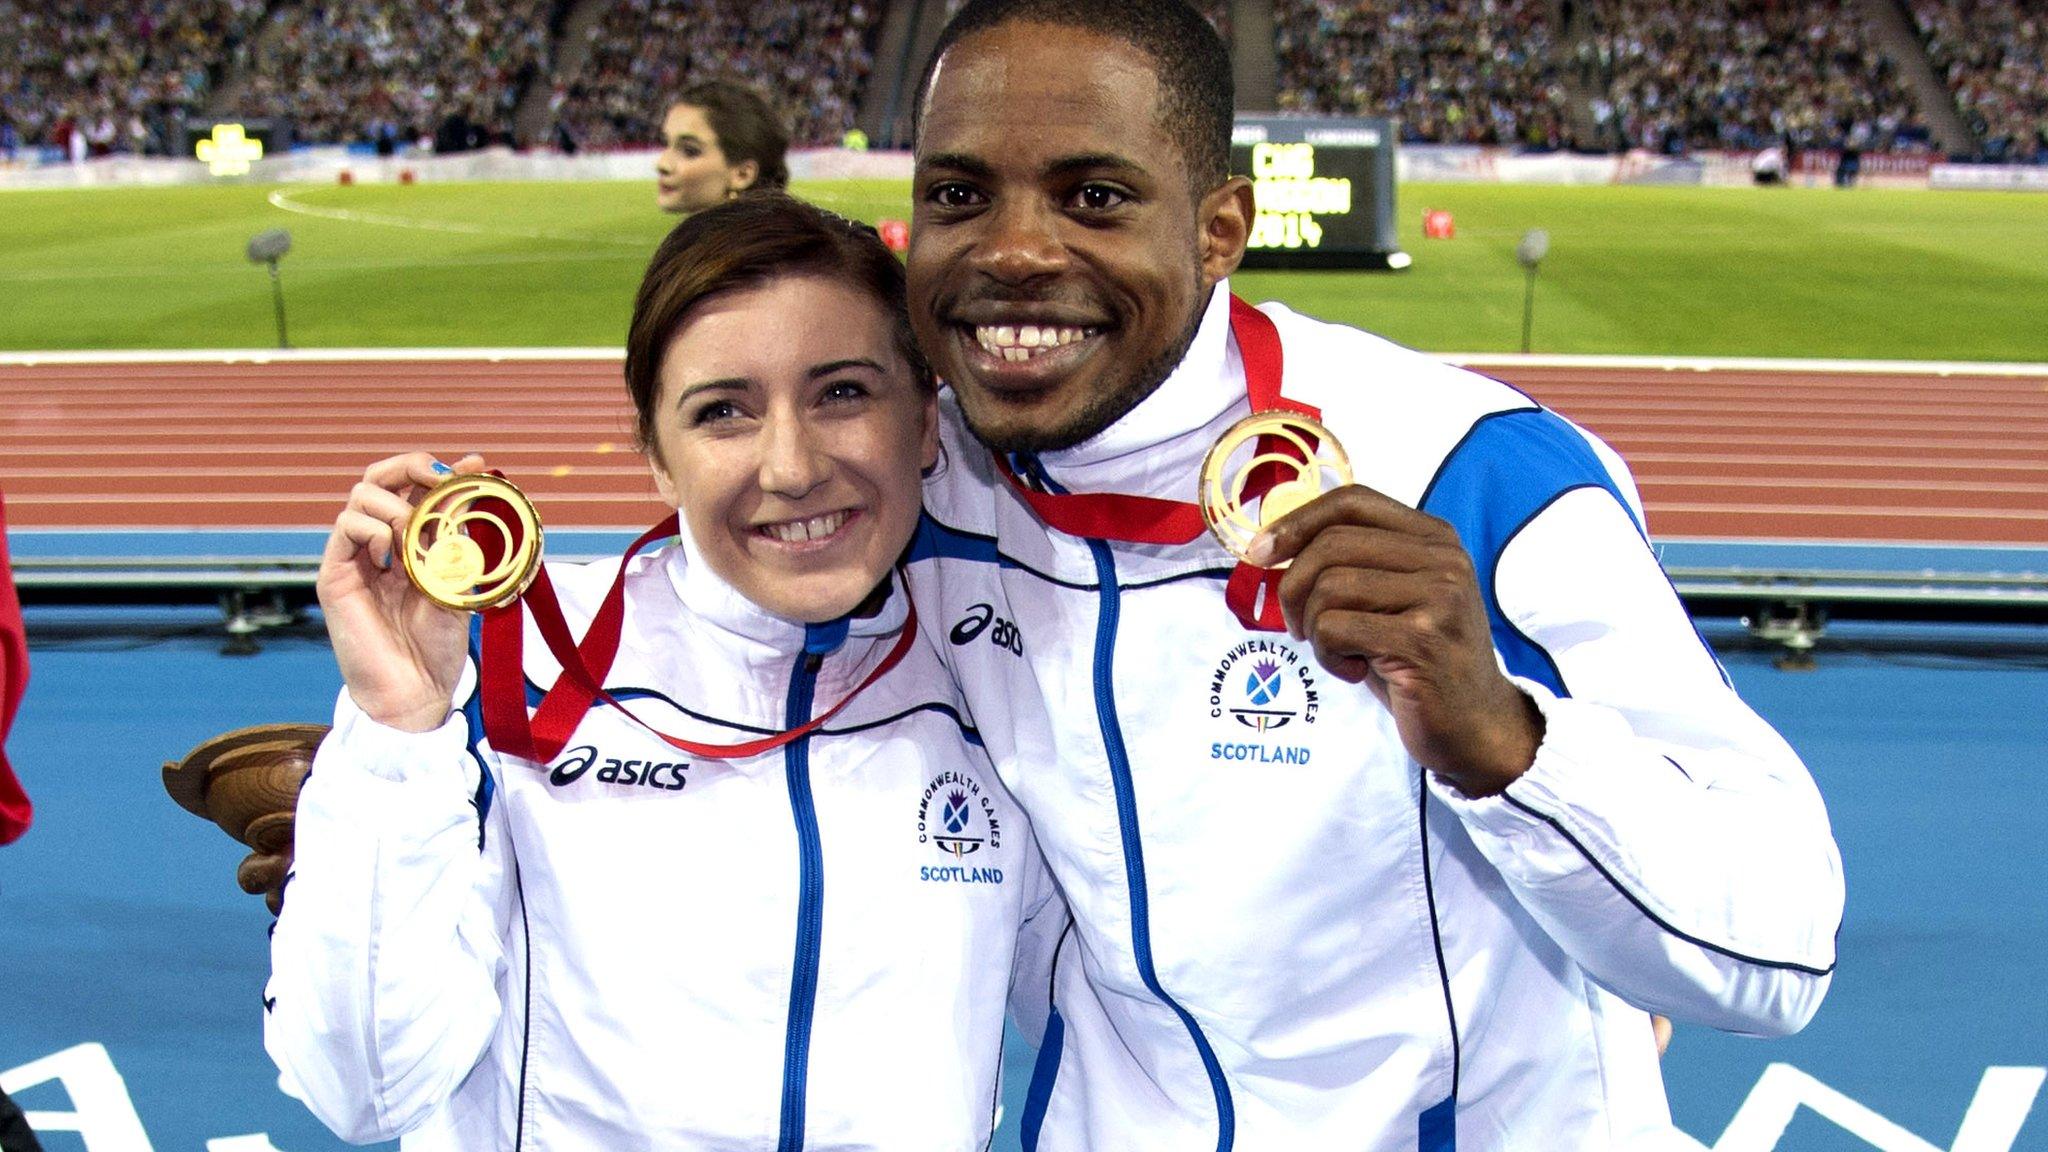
(118,71)
(1990,52)
(1452,73)
(1741,74)
(811,56)
(363,70)
(1667,75)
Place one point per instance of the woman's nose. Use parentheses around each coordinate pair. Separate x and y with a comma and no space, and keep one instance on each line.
(792,463)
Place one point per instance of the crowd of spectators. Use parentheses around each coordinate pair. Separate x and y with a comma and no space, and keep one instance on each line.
(390,71)
(811,57)
(100,76)
(1743,74)
(1991,54)
(1451,72)
(1668,75)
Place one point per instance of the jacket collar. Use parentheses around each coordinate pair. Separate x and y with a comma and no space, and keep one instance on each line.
(1157,448)
(762,643)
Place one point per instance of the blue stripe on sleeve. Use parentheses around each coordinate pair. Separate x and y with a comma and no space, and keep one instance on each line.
(1510,467)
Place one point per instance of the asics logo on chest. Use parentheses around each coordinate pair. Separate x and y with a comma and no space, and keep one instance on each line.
(982,618)
(576,763)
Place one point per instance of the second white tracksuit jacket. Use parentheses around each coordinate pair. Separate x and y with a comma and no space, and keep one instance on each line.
(1286,935)
(634,948)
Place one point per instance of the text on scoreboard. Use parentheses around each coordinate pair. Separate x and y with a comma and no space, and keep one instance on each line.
(1323,189)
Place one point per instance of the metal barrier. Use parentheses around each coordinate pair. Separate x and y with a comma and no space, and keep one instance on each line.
(1787,606)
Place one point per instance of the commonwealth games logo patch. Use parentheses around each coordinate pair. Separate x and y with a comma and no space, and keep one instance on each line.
(957,816)
(1264,685)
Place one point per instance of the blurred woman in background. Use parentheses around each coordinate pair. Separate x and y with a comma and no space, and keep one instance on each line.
(719,139)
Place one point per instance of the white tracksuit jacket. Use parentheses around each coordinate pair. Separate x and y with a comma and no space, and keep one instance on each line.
(1288,937)
(810,948)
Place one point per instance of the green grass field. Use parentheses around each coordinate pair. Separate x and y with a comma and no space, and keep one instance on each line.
(1673,271)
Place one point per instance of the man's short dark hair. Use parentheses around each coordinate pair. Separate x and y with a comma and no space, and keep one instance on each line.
(1193,66)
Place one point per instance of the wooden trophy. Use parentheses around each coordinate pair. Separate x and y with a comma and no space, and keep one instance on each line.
(247,781)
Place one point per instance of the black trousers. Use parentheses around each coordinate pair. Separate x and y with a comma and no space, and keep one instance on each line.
(14,1133)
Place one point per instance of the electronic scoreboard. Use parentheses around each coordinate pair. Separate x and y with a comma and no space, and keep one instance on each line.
(1325,191)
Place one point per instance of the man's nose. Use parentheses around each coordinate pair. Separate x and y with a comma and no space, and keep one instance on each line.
(1022,242)
(792,459)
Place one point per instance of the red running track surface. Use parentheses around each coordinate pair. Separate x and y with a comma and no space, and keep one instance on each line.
(1723,453)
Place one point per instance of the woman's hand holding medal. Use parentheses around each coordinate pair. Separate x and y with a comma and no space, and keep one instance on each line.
(1386,595)
(400,653)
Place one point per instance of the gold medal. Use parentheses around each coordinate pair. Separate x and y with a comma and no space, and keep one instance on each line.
(473,543)
(1308,460)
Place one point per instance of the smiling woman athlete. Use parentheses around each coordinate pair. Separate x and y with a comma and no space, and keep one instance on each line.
(624,945)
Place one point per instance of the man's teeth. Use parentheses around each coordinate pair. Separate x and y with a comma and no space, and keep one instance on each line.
(1020,342)
(798,531)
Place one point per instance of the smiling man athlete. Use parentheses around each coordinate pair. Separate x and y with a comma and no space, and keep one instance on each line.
(1412,869)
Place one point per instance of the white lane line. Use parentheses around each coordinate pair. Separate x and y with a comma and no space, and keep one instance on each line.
(284,200)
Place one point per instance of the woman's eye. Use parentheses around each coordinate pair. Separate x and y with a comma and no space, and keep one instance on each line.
(845,390)
(713,412)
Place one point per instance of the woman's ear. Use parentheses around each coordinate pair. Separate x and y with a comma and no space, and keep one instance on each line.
(741,177)
(929,445)
(663,482)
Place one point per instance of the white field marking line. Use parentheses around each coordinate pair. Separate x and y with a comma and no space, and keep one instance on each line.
(1833,485)
(1467,359)
(484,260)
(1744,364)
(282,199)
(1602,382)
(323,499)
(2006,405)
(297,451)
(277,433)
(315,424)
(1727,441)
(261,356)
(1638,458)
(343,472)
(1959,422)
(1889,513)
(1834,545)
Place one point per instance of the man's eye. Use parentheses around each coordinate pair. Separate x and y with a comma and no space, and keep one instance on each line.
(1099,197)
(953,194)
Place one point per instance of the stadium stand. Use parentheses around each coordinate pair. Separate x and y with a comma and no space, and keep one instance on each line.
(1730,74)
(1671,76)
(1989,52)
(390,71)
(810,56)
(1741,74)
(94,77)
(1451,73)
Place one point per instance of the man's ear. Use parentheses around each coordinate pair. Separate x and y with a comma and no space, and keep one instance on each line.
(1226,216)
(741,176)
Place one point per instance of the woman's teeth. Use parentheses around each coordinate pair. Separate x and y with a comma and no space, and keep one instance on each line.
(798,531)
(1020,342)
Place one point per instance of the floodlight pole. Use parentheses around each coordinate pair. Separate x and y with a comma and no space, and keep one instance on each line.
(1528,306)
(277,298)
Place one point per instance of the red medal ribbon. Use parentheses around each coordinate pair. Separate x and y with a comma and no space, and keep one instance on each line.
(1152,520)
(542,736)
